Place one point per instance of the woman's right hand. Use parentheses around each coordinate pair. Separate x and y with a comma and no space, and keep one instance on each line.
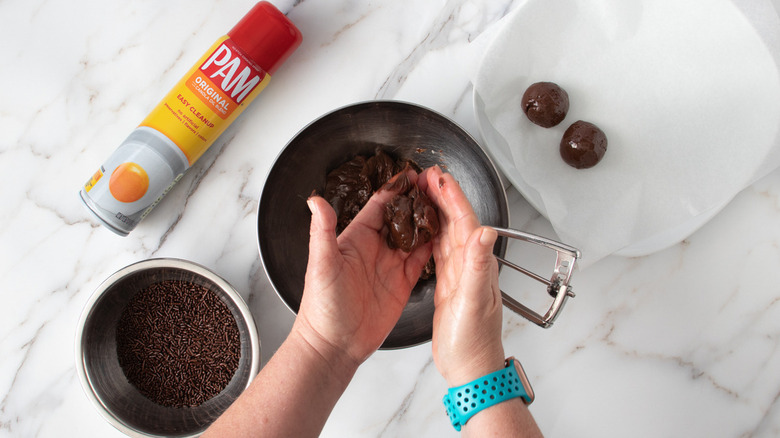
(467,321)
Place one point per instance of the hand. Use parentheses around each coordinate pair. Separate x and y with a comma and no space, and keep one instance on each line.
(356,286)
(467,320)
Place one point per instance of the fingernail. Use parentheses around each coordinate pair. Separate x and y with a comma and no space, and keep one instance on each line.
(312,206)
(488,236)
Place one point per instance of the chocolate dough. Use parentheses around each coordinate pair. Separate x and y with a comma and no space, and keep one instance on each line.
(583,145)
(411,218)
(545,104)
(349,186)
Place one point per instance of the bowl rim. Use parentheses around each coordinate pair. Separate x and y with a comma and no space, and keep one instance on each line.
(487,156)
(86,384)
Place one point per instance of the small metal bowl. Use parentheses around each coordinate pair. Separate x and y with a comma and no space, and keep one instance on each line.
(104,382)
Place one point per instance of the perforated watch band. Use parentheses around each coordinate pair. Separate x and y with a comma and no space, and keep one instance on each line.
(463,402)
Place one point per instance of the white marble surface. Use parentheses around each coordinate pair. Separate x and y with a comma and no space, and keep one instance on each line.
(683,342)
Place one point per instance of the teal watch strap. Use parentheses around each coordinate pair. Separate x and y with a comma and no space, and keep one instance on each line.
(465,401)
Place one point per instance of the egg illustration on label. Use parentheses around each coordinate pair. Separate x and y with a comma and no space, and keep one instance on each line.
(129,182)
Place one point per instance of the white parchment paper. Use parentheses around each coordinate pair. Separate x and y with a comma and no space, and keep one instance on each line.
(687,92)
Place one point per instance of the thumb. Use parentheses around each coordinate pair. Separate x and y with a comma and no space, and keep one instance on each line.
(479,266)
(322,232)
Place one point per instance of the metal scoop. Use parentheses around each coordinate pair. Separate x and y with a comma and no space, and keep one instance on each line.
(558,284)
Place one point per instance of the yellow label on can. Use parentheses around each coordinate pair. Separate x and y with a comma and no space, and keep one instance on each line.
(92,181)
(208,98)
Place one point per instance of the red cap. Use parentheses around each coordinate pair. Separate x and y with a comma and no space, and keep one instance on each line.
(267,36)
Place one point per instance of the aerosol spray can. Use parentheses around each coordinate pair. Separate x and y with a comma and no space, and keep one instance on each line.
(225,80)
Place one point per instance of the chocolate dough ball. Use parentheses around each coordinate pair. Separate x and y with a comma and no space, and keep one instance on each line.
(583,145)
(410,216)
(545,104)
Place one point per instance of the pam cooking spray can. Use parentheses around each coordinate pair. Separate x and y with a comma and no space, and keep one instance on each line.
(190,118)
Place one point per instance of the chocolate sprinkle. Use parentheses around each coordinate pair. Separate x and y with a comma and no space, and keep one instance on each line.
(178,343)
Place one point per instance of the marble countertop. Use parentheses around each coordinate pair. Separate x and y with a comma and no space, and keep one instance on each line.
(682,342)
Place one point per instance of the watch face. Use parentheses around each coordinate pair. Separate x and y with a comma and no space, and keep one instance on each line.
(524,381)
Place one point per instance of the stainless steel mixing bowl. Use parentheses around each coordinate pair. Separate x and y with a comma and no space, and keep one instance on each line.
(404,130)
(104,382)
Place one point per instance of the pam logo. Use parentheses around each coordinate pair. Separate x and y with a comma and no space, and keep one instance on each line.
(229,70)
